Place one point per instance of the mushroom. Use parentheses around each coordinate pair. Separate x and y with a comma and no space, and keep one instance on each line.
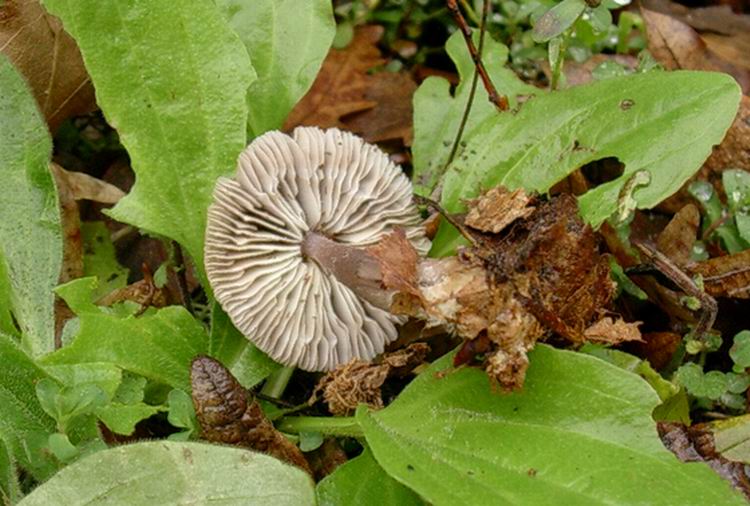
(285,245)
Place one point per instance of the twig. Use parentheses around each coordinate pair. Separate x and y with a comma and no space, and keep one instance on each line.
(500,101)
(181,269)
(663,264)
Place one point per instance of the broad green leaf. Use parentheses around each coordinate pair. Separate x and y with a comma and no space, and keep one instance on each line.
(30,234)
(122,418)
(105,375)
(674,403)
(362,481)
(167,472)
(287,41)
(158,345)
(227,345)
(558,19)
(437,113)
(171,77)
(24,426)
(661,122)
(10,492)
(580,432)
(182,414)
(99,259)
(732,438)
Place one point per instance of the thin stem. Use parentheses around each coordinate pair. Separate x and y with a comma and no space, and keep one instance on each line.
(327,425)
(469,102)
(470,11)
(277,382)
(500,101)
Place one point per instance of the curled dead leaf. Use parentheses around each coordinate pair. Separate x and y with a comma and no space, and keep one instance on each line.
(228,415)
(610,331)
(48,58)
(348,95)
(677,239)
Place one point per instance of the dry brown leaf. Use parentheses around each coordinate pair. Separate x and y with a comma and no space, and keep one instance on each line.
(677,239)
(497,208)
(676,45)
(727,276)
(341,85)
(609,331)
(345,95)
(391,118)
(228,416)
(658,348)
(85,187)
(48,58)
(359,382)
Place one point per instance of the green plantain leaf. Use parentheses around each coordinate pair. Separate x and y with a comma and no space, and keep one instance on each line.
(30,234)
(362,481)
(171,77)
(661,122)
(437,114)
(167,472)
(10,492)
(159,345)
(287,41)
(24,426)
(580,432)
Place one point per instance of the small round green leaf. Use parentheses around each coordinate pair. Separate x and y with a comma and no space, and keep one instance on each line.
(558,19)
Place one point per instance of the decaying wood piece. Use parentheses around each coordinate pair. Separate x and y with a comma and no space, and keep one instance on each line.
(228,415)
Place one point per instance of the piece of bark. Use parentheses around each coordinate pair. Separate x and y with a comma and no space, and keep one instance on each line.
(228,415)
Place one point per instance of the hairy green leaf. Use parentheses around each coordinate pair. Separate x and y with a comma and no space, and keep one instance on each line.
(437,114)
(30,234)
(24,426)
(168,472)
(10,491)
(580,432)
(287,41)
(159,345)
(227,345)
(99,258)
(661,122)
(171,77)
(363,481)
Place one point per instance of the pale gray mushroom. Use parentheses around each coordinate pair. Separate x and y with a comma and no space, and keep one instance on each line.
(284,239)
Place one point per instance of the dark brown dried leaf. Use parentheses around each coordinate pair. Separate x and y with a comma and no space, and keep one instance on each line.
(228,415)
(677,239)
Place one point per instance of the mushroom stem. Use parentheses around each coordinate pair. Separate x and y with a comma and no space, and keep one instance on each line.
(352,266)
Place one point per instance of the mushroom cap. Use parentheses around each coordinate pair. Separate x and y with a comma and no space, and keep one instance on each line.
(328,182)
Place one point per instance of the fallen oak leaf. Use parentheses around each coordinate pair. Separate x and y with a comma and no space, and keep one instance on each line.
(227,415)
(48,58)
(610,331)
(340,86)
(345,94)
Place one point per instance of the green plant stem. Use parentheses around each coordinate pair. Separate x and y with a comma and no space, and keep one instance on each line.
(470,12)
(326,425)
(277,382)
